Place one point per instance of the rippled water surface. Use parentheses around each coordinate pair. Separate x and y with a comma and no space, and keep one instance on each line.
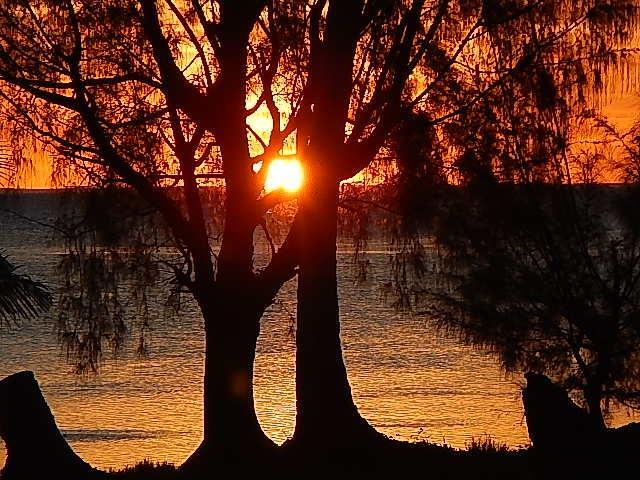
(407,381)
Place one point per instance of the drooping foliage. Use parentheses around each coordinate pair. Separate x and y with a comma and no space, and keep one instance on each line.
(152,94)
(537,271)
(546,277)
(143,112)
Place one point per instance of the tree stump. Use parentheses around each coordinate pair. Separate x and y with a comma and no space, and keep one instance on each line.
(553,420)
(35,447)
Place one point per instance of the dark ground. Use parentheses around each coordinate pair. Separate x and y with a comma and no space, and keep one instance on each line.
(403,460)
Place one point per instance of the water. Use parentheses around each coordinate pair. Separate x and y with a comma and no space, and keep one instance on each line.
(407,381)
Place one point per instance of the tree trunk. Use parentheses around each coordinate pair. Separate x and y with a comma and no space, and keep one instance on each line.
(35,447)
(325,411)
(232,432)
(593,397)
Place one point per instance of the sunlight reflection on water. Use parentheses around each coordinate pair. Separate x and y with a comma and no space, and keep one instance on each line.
(408,382)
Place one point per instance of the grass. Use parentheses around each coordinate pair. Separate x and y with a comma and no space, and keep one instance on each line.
(484,458)
(486,444)
(146,470)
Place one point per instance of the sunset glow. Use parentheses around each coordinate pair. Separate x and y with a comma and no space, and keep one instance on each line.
(284,174)
(340,238)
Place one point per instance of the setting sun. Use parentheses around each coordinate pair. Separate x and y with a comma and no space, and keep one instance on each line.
(349,238)
(285,174)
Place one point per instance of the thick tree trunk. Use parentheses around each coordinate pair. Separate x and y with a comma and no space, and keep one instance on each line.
(231,316)
(35,447)
(232,432)
(325,411)
(554,421)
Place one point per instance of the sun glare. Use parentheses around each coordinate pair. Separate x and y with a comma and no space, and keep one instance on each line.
(285,174)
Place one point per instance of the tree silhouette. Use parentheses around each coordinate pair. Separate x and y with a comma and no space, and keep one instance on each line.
(108,89)
(20,296)
(144,93)
(538,262)
(546,277)
(525,53)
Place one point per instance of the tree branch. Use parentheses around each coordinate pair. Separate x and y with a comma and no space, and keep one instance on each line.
(183,93)
(281,268)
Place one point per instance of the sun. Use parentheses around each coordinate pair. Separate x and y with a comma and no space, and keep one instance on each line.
(285,174)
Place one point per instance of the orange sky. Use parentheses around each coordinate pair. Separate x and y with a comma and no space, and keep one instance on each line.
(623,110)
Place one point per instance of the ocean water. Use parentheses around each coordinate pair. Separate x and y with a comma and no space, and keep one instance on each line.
(408,381)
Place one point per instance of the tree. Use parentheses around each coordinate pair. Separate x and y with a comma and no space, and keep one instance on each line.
(539,262)
(145,113)
(441,79)
(443,73)
(20,296)
(108,90)
(144,92)
(546,277)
